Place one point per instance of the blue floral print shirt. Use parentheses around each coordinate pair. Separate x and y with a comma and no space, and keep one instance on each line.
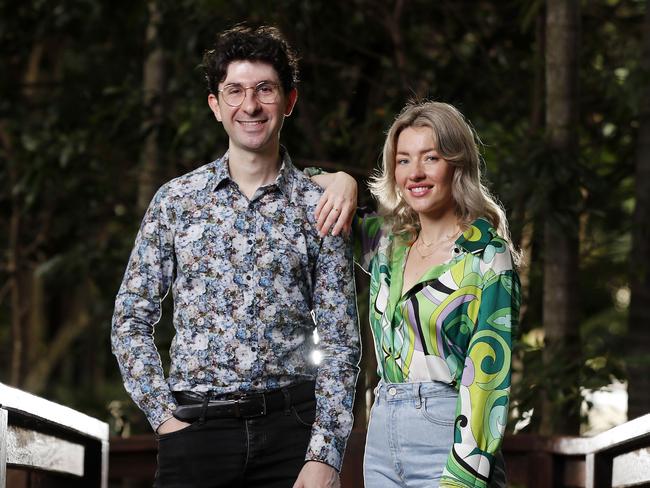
(250,280)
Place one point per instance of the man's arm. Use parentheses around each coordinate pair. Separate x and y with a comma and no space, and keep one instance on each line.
(147,279)
(334,305)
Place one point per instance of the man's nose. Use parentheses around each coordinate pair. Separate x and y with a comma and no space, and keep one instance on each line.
(250,104)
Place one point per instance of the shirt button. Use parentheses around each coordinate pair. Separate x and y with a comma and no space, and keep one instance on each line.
(392,391)
(248,277)
(253,349)
(249,242)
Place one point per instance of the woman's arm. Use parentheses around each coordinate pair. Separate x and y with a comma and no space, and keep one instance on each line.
(335,209)
(482,409)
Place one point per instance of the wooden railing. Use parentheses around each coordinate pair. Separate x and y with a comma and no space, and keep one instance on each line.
(616,458)
(47,445)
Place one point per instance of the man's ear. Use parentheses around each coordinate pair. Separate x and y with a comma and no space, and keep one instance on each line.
(213,103)
(292,98)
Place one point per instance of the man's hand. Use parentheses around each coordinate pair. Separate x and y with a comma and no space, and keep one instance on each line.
(317,475)
(171,425)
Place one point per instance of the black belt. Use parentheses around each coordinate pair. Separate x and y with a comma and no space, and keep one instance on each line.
(193,406)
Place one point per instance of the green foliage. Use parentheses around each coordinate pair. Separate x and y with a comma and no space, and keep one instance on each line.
(72,134)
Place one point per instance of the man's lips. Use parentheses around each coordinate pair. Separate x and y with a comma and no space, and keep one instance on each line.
(251,123)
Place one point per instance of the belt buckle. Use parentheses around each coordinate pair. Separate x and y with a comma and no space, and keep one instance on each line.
(245,407)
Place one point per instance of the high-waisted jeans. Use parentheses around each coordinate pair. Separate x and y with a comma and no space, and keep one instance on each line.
(410,435)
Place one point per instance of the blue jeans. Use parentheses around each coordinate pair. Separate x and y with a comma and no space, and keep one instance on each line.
(410,434)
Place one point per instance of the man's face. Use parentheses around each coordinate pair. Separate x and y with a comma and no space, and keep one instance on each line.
(252,126)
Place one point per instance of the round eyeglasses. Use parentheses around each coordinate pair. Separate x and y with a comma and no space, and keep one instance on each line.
(265,91)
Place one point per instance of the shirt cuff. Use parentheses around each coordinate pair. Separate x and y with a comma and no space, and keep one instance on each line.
(160,411)
(325,448)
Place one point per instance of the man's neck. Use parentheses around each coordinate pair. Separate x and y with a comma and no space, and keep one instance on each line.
(253,170)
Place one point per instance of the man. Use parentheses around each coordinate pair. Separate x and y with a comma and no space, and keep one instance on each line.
(235,240)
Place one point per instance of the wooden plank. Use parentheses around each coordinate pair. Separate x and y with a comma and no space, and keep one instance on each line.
(626,433)
(104,466)
(631,469)
(30,449)
(3,447)
(590,470)
(36,407)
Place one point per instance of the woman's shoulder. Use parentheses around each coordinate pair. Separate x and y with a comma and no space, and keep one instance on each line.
(483,241)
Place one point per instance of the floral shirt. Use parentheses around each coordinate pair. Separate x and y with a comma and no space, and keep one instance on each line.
(250,280)
(453,326)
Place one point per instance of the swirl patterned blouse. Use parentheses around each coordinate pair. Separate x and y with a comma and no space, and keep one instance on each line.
(453,326)
(250,280)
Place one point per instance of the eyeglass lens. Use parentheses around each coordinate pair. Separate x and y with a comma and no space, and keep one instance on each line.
(265,92)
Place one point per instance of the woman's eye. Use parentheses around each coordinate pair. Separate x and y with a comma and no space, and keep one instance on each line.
(432,158)
(402,161)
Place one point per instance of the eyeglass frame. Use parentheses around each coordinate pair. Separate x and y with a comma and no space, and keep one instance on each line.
(254,88)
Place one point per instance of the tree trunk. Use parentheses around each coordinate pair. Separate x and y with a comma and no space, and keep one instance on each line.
(77,322)
(639,318)
(153,80)
(560,313)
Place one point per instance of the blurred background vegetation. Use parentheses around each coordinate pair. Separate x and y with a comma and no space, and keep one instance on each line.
(101,102)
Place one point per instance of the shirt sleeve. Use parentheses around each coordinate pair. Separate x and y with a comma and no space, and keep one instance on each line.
(335,312)
(147,280)
(482,409)
(367,230)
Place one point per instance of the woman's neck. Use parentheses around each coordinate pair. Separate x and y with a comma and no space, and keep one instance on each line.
(439,227)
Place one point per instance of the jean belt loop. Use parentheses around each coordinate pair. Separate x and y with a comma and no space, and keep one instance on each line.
(204,408)
(418,396)
(287,401)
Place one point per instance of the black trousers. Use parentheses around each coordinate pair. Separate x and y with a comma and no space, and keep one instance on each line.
(266,451)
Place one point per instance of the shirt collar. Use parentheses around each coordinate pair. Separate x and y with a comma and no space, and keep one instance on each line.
(283,181)
(477,237)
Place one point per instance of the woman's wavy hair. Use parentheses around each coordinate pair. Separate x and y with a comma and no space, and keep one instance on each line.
(456,141)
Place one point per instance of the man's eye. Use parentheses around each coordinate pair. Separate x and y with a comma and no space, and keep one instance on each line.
(233,90)
(265,88)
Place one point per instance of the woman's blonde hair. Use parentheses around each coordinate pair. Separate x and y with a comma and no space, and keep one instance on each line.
(457,142)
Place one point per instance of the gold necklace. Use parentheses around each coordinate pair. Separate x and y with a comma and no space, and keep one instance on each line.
(433,250)
(433,246)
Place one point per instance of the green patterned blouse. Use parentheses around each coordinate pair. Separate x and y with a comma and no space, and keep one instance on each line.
(453,326)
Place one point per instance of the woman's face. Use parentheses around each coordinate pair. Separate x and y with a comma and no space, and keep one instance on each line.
(422,176)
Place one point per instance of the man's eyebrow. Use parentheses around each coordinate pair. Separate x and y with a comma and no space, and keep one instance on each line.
(258,83)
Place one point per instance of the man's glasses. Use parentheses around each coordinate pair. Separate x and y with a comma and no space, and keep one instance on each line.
(265,91)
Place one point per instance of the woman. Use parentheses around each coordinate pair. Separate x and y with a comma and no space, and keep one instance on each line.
(444,299)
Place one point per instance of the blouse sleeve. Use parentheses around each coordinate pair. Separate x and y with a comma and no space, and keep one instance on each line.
(367,230)
(482,408)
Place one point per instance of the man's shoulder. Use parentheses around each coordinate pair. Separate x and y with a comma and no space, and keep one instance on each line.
(305,191)
(190,183)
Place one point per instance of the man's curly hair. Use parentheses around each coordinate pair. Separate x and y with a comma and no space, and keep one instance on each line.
(246,43)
